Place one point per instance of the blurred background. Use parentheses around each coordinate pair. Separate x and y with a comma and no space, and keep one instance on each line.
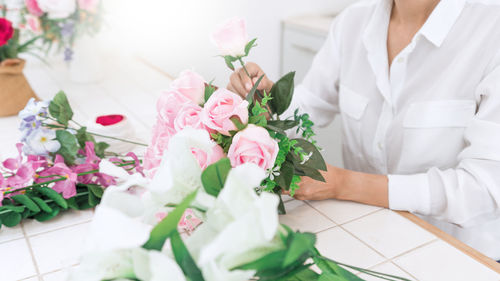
(174,35)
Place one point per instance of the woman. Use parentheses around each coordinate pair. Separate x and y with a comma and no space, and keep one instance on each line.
(417,85)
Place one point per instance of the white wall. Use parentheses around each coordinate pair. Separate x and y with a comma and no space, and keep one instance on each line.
(174,35)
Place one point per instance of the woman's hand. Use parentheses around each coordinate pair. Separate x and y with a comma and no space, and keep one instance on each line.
(345,184)
(241,84)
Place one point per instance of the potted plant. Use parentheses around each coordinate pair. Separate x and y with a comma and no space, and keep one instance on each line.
(15,90)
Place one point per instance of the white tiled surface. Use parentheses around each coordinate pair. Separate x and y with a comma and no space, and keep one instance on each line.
(351,233)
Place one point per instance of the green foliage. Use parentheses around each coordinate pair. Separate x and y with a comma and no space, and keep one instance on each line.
(222,140)
(60,109)
(251,94)
(214,176)
(69,146)
(43,203)
(184,258)
(209,90)
(82,136)
(163,230)
(249,46)
(282,93)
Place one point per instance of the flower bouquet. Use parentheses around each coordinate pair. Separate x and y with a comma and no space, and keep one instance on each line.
(245,130)
(57,166)
(61,22)
(15,90)
(144,228)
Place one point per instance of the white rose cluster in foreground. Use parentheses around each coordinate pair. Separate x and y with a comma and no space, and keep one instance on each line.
(137,232)
(238,225)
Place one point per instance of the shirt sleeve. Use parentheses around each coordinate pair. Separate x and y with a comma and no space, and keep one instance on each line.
(317,95)
(469,194)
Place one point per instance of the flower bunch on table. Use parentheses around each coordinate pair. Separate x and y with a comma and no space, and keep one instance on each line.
(245,130)
(61,22)
(57,166)
(135,233)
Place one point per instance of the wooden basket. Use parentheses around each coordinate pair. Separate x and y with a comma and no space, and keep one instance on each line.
(15,90)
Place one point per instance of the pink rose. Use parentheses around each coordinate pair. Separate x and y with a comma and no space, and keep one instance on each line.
(169,104)
(189,116)
(88,5)
(162,132)
(220,107)
(253,145)
(191,85)
(33,8)
(231,38)
(204,160)
(34,24)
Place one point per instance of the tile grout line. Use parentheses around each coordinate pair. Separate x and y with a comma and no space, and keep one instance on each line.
(59,228)
(348,221)
(409,251)
(32,254)
(390,261)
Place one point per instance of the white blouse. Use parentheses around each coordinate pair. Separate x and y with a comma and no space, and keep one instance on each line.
(431,121)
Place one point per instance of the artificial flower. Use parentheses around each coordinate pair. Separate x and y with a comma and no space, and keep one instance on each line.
(191,85)
(66,187)
(34,24)
(34,110)
(169,104)
(189,116)
(231,38)
(135,264)
(6,31)
(33,8)
(41,142)
(205,159)
(108,120)
(221,107)
(253,145)
(58,9)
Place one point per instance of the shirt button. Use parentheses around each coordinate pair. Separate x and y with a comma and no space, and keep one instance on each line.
(401,60)
(380,145)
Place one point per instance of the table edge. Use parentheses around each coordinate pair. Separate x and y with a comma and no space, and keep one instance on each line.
(471,252)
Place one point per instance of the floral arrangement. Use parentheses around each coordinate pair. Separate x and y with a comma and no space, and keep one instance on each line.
(10,45)
(61,22)
(135,234)
(245,130)
(57,166)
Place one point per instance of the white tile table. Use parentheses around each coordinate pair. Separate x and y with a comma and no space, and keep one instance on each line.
(352,233)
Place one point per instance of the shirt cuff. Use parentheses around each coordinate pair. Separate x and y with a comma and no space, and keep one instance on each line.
(410,193)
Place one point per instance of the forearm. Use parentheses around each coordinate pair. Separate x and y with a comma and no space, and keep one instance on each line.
(363,188)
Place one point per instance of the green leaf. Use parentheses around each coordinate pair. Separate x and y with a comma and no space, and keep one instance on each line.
(17,209)
(72,204)
(214,176)
(249,46)
(52,194)
(60,109)
(11,219)
(309,172)
(100,149)
(301,244)
(282,93)
(97,190)
(45,216)
(69,147)
(42,204)
(304,275)
(283,124)
(316,160)
(341,272)
(330,277)
(251,94)
(281,206)
(26,201)
(237,122)
(93,200)
(209,90)
(269,261)
(82,136)
(168,225)
(229,62)
(286,175)
(184,258)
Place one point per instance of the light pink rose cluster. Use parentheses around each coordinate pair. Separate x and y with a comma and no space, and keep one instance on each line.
(180,108)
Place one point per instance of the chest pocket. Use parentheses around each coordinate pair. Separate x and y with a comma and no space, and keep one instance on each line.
(433,134)
(352,107)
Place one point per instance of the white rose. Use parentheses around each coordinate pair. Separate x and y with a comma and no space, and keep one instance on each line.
(58,9)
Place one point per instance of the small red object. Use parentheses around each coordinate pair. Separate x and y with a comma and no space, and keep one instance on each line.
(108,120)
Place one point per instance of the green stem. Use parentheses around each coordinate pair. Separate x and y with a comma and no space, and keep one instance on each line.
(118,139)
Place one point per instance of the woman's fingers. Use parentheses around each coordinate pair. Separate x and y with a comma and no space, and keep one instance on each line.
(236,85)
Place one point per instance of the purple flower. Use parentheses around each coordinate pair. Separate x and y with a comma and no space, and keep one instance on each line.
(68,54)
(67,29)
